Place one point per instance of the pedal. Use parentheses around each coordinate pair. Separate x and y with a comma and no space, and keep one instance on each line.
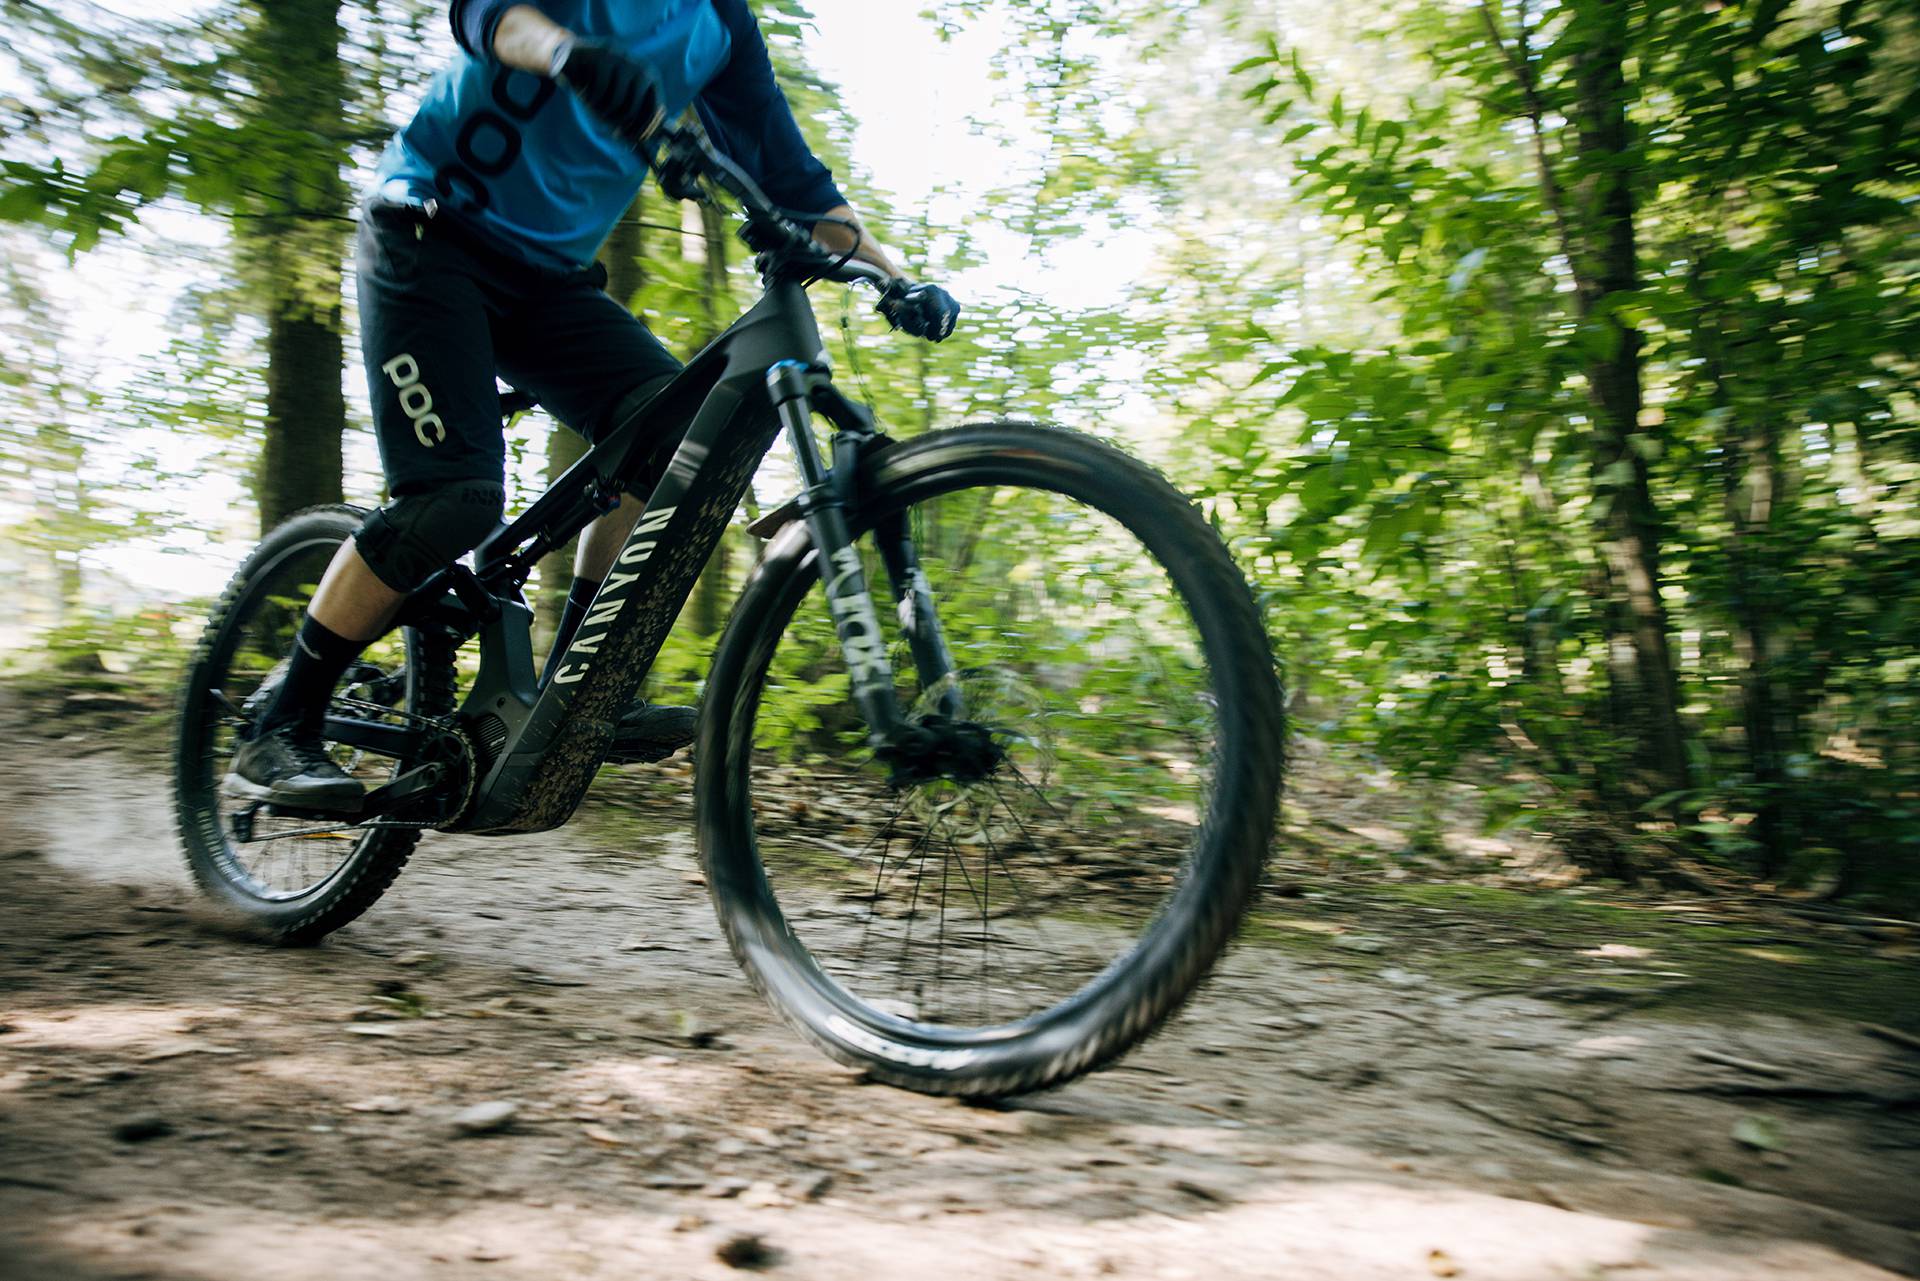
(412,783)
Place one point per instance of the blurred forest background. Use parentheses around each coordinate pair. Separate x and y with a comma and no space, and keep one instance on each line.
(1550,365)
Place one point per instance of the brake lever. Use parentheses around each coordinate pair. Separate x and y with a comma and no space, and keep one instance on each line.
(676,167)
(683,165)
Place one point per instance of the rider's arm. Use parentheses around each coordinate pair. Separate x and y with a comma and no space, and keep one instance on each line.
(748,118)
(838,238)
(519,35)
(742,107)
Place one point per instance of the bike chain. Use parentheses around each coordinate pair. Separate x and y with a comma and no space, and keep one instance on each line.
(378,825)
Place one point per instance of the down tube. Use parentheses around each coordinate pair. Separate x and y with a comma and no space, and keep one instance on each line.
(550,758)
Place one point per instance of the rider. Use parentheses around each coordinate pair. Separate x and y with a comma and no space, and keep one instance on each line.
(476,257)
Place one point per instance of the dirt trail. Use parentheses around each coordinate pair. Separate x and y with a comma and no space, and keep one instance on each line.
(177,1102)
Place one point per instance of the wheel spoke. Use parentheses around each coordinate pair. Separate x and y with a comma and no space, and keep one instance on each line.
(873,897)
(1039,795)
(986,926)
(1078,658)
(873,903)
(906,941)
(271,858)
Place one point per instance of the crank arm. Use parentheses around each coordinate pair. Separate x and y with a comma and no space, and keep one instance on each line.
(388,797)
(382,739)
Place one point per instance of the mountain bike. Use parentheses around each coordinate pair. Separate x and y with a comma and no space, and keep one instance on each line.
(978,842)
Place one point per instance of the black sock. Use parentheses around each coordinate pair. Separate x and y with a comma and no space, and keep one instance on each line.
(579,597)
(320,658)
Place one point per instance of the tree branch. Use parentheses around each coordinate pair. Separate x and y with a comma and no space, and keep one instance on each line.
(1516,59)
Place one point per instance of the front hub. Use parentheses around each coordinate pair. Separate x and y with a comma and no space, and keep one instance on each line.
(934,747)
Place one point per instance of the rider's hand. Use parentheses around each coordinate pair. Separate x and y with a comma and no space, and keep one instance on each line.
(622,91)
(925,311)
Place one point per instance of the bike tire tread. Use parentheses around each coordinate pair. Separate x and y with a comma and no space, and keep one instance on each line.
(376,865)
(1232,878)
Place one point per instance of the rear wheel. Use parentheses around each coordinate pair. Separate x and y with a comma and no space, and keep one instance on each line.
(295,888)
(1052,886)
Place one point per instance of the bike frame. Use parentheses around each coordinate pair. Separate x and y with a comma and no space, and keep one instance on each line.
(538,744)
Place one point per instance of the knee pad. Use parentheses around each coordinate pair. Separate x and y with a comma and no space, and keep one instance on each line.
(417,535)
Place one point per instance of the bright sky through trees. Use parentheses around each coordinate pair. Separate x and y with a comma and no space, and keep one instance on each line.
(917,103)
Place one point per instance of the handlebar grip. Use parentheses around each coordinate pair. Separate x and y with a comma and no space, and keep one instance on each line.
(674,162)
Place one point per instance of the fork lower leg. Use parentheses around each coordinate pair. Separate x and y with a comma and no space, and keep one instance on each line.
(855,620)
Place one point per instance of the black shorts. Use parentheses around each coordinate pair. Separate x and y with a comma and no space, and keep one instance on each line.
(442,312)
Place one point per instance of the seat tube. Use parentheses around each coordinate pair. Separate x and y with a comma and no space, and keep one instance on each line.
(855,620)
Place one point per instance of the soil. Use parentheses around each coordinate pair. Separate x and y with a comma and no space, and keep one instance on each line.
(1359,1092)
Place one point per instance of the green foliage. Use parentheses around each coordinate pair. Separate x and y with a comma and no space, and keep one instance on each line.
(1775,190)
(145,650)
(1393,336)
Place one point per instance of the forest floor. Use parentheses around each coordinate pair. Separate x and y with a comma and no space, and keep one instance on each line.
(1399,1073)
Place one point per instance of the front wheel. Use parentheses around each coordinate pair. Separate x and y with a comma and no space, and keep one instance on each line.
(1006,925)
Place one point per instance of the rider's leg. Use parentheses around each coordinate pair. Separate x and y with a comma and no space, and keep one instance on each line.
(398,547)
(601,541)
(350,609)
(351,600)
(427,311)
(595,366)
(396,550)
(599,544)
(428,308)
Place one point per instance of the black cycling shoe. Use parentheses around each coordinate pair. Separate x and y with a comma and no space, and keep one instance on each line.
(285,767)
(648,732)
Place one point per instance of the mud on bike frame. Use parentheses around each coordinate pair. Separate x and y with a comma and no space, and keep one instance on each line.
(539,743)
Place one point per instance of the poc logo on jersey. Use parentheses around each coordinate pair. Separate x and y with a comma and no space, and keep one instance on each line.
(404,372)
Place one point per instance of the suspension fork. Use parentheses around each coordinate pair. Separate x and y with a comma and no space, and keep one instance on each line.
(913,603)
(823,501)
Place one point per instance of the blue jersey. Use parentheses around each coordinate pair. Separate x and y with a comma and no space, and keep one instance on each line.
(533,170)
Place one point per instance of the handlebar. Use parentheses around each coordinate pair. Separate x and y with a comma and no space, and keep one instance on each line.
(683,159)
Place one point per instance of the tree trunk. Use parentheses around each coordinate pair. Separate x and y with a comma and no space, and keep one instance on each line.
(294,243)
(714,295)
(1750,499)
(306,411)
(625,256)
(1605,265)
(710,593)
(564,448)
(1750,492)
(59,498)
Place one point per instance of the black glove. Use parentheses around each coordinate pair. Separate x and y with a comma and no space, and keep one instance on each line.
(622,91)
(925,311)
